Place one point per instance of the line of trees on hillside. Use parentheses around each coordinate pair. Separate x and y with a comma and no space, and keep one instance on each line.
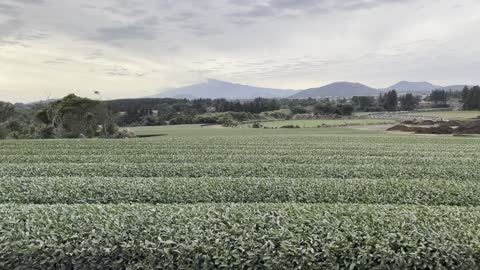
(469,97)
(231,112)
(441,98)
(390,101)
(74,116)
(164,111)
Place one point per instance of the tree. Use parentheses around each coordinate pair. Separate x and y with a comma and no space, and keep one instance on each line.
(363,103)
(6,111)
(346,109)
(409,102)
(72,116)
(329,107)
(439,98)
(471,98)
(389,101)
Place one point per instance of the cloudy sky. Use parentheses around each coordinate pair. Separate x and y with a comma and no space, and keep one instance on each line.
(133,48)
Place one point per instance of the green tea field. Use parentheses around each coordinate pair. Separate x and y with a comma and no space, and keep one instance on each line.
(241,198)
(326,123)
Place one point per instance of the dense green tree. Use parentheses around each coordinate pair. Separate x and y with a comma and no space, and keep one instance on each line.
(329,107)
(471,98)
(17,120)
(363,103)
(73,116)
(439,98)
(409,102)
(6,111)
(389,101)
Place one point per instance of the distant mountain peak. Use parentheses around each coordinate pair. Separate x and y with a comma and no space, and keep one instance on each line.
(338,89)
(213,88)
(409,86)
(217,81)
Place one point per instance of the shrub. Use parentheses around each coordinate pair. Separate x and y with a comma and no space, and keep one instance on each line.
(278,114)
(126,133)
(47,132)
(290,126)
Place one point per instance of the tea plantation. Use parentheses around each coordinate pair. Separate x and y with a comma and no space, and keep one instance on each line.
(204,198)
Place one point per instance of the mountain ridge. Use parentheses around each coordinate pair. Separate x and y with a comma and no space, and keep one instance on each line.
(220,89)
(338,89)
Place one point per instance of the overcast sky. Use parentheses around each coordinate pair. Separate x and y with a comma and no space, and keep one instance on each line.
(132,48)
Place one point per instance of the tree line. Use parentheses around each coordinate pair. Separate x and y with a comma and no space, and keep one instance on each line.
(390,101)
(440,98)
(74,116)
(166,111)
(471,98)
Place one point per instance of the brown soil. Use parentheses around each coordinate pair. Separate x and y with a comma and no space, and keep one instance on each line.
(402,128)
(440,127)
(472,127)
(427,123)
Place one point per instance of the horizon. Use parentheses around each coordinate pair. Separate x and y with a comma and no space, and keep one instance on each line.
(100,95)
(124,49)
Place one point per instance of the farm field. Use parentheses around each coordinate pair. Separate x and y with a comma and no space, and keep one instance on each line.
(450,115)
(205,198)
(241,131)
(326,123)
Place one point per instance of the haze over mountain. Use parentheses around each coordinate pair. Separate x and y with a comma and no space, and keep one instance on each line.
(220,89)
(338,89)
(406,86)
(456,87)
(420,87)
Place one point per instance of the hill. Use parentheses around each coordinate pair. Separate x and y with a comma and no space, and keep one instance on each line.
(421,87)
(406,86)
(219,89)
(338,89)
(455,87)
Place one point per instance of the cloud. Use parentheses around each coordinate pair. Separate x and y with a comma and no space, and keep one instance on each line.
(132,31)
(120,71)
(97,54)
(56,61)
(114,45)
(12,27)
(275,8)
(180,17)
(35,2)
(132,12)
(8,26)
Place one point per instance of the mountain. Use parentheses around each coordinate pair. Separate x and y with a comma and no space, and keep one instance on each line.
(338,89)
(455,87)
(420,87)
(220,89)
(405,86)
